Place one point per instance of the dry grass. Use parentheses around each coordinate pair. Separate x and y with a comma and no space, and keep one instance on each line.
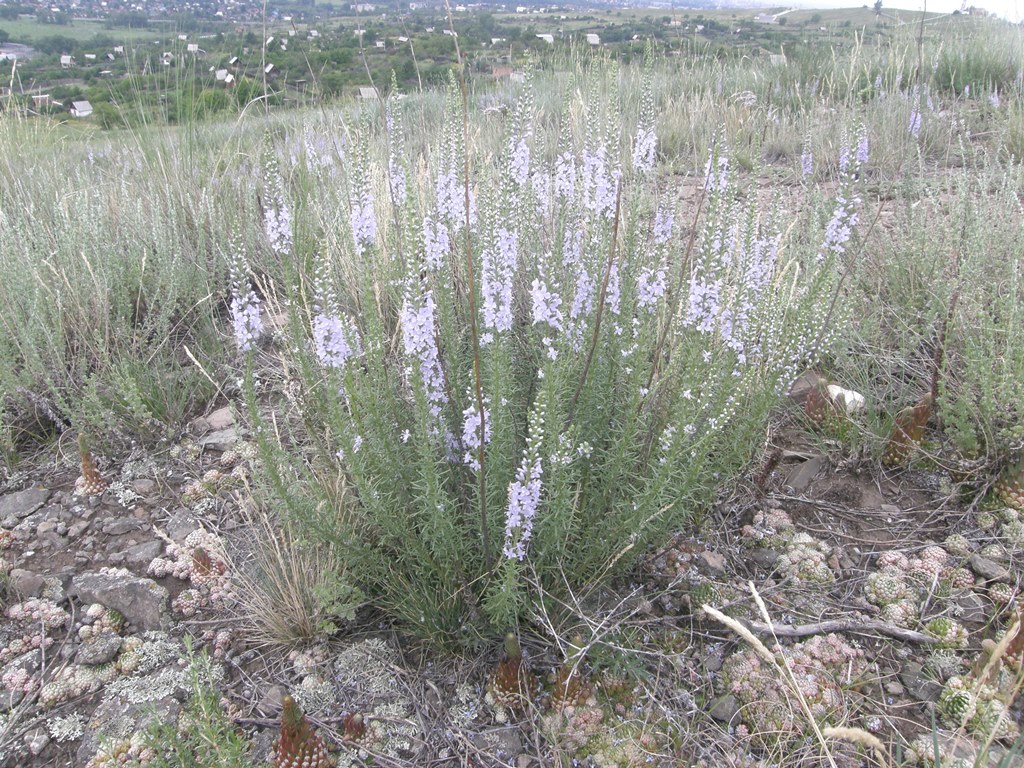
(291,592)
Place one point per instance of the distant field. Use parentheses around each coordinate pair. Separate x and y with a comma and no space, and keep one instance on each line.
(28,31)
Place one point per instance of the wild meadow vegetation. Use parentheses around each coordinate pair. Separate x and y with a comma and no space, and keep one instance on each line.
(495,346)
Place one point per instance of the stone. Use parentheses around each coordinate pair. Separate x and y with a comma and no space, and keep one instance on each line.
(144,553)
(220,419)
(99,650)
(117,719)
(46,527)
(501,742)
(271,703)
(36,741)
(117,526)
(23,503)
(77,529)
(144,486)
(724,709)
(988,569)
(890,509)
(802,475)
(712,564)
(181,524)
(764,558)
(27,583)
(141,601)
(919,685)
(221,440)
(970,608)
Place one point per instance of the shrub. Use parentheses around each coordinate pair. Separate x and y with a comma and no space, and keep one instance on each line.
(620,368)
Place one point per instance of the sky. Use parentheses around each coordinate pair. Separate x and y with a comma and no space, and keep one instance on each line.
(1008,9)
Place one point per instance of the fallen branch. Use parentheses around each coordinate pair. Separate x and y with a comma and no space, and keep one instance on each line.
(839,625)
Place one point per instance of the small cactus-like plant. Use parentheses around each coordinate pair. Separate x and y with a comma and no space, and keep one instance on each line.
(298,746)
(353,727)
(1009,488)
(907,432)
(91,482)
(819,406)
(512,683)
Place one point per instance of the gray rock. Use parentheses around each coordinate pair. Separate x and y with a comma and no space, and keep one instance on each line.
(764,558)
(988,569)
(503,742)
(141,601)
(271,703)
(117,719)
(918,685)
(117,526)
(220,419)
(181,524)
(23,503)
(27,583)
(99,650)
(77,529)
(143,554)
(221,440)
(36,741)
(144,486)
(802,475)
(712,564)
(970,608)
(46,527)
(724,709)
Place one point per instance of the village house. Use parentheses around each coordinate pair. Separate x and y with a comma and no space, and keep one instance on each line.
(81,109)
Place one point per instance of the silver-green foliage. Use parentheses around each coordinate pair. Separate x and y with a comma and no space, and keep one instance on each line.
(623,372)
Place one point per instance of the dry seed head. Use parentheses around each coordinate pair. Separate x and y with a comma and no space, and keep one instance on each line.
(907,432)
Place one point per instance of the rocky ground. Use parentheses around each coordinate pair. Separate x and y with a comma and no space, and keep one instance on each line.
(887,591)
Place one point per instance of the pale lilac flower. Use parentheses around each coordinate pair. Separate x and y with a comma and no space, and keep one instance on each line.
(613,293)
(599,183)
(519,165)
(914,128)
(524,492)
(357,443)
(546,307)
(245,306)
(335,339)
(645,149)
(717,173)
(650,287)
(663,221)
(844,156)
(807,161)
(450,199)
(419,340)
(967,91)
(541,184)
(498,271)
(364,221)
(436,243)
(546,304)
(862,145)
(471,433)
(565,176)
(277,222)
(993,99)
(396,173)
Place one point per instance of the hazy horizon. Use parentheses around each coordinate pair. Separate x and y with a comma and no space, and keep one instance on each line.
(1007,9)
